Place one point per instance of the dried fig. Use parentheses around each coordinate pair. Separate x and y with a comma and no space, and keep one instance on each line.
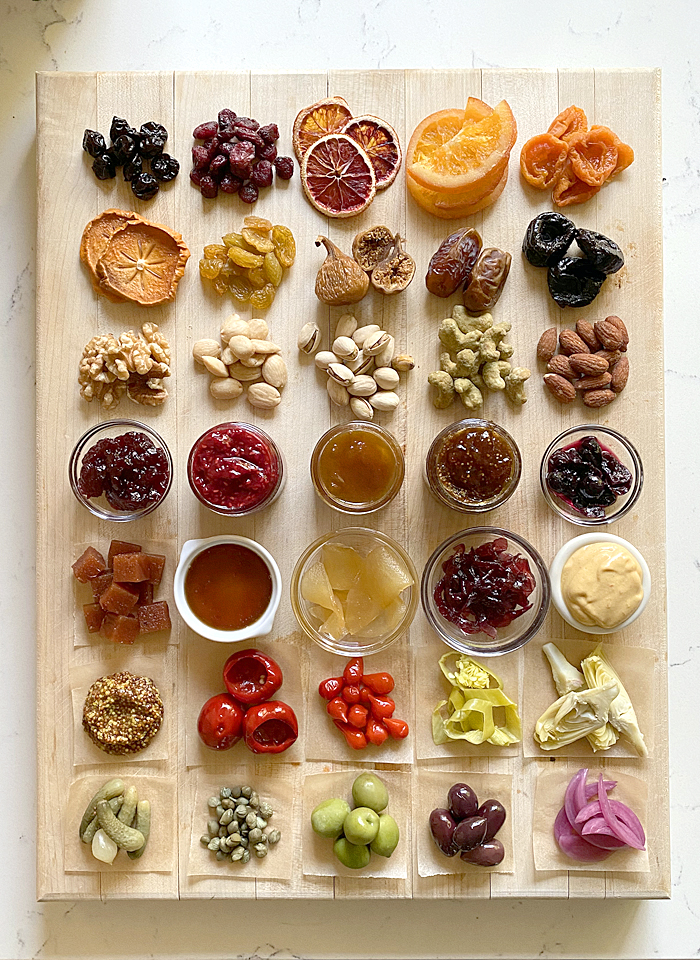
(372,246)
(396,271)
(340,280)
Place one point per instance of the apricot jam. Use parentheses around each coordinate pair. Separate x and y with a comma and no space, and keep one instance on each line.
(228,586)
(357,467)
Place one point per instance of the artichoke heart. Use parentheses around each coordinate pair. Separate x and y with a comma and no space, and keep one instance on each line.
(469,712)
(566,676)
(575,715)
(598,670)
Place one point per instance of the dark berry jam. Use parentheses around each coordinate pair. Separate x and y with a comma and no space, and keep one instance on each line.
(484,588)
(588,477)
(130,470)
(235,468)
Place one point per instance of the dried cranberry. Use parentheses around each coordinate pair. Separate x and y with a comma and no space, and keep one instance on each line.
(200,157)
(270,132)
(230,184)
(145,186)
(249,136)
(208,187)
(133,168)
(218,167)
(226,118)
(205,131)
(241,156)
(104,167)
(248,193)
(284,167)
(165,168)
(247,122)
(94,143)
(268,152)
(196,176)
(123,149)
(261,174)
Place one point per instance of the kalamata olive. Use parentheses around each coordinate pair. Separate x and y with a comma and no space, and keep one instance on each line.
(469,833)
(495,817)
(487,854)
(462,801)
(442,828)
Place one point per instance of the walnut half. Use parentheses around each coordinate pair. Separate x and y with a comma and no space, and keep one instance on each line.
(134,363)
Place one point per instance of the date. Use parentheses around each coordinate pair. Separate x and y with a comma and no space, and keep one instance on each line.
(452,263)
(487,281)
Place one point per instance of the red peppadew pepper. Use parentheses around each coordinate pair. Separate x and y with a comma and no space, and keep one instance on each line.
(360,708)
(398,729)
(270,727)
(353,670)
(381,683)
(337,709)
(220,722)
(376,732)
(355,738)
(251,676)
(331,687)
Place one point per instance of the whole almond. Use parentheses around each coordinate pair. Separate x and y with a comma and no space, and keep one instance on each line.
(228,389)
(612,356)
(570,342)
(258,329)
(227,357)
(561,366)
(586,332)
(215,366)
(593,383)
(256,360)
(623,330)
(274,371)
(609,334)
(621,372)
(263,395)
(241,347)
(547,345)
(598,398)
(588,364)
(205,348)
(561,389)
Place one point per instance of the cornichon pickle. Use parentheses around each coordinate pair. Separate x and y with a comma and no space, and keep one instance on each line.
(128,808)
(125,837)
(452,263)
(106,792)
(487,281)
(92,828)
(143,823)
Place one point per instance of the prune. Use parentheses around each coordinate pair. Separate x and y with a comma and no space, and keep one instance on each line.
(462,801)
(270,132)
(165,168)
(261,174)
(104,167)
(452,263)
(547,239)
(208,187)
(487,281)
(145,186)
(442,828)
(470,832)
(284,167)
(587,477)
(206,131)
(248,193)
(129,470)
(133,168)
(574,282)
(153,139)
(94,143)
(601,251)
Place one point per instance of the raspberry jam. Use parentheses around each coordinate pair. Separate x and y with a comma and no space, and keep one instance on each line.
(235,468)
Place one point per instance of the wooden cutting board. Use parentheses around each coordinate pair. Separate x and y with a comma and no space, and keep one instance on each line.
(69,314)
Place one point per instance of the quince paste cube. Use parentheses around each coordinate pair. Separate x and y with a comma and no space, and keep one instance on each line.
(89,564)
(119,598)
(154,617)
(131,567)
(94,615)
(121,546)
(100,583)
(145,593)
(156,563)
(120,629)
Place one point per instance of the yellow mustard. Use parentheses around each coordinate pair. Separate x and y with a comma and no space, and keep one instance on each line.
(601,584)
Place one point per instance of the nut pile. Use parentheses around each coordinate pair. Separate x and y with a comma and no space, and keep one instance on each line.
(244,358)
(592,361)
(240,828)
(476,359)
(135,364)
(363,371)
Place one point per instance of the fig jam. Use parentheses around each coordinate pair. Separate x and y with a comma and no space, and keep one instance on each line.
(235,468)
(130,470)
(588,477)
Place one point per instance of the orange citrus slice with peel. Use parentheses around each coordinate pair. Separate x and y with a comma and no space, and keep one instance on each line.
(447,207)
(318,120)
(338,176)
(381,144)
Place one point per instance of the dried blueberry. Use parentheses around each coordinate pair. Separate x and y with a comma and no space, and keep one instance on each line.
(165,168)
(121,127)
(134,168)
(104,166)
(145,186)
(124,148)
(547,239)
(94,143)
(574,282)
(601,251)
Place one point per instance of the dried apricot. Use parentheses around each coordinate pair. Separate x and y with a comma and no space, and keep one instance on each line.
(542,160)
(625,156)
(593,155)
(569,122)
(569,189)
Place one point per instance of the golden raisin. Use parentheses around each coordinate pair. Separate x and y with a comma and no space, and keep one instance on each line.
(257,278)
(285,247)
(232,240)
(214,251)
(258,223)
(245,258)
(240,289)
(220,286)
(209,269)
(257,241)
(262,299)
(272,269)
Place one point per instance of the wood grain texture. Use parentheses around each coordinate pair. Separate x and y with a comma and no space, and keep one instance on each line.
(69,313)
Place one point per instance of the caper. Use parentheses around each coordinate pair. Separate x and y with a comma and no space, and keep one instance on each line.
(251,819)
(273,836)
(204,841)
(244,841)
(225,793)
(246,856)
(213,803)
(219,811)
(260,850)
(213,827)
(234,791)
(237,854)
(220,855)
(227,803)
(255,835)
(241,811)
(221,832)
(226,818)
(265,810)
(247,791)
(233,831)
(213,843)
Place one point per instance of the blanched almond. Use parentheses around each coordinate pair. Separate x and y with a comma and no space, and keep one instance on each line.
(205,348)
(274,371)
(228,389)
(215,366)
(263,395)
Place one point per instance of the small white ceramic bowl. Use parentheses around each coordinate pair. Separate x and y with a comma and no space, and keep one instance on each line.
(557,566)
(262,626)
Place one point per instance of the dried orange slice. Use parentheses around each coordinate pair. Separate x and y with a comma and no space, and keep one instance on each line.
(380,142)
(95,240)
(143,263)
(542,160)
(452,207)
(448,158)
(318,120)
(338,176)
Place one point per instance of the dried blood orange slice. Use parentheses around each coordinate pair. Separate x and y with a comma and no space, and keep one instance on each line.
(453,207)
(380,142)
(338,176)
(318,120)
(143,263)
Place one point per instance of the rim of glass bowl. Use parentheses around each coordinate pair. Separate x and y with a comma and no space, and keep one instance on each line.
(342,647)
(445,498)
(95,507)
(272,495)
(463,642)
(634,465)
(344,506)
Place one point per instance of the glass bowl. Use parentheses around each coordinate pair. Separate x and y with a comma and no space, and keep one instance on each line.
(509,638)
(436,480)
(557,566)
(363,540)
(109,430)
(618,445)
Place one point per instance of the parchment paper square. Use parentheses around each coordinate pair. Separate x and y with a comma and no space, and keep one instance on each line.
(160,855)
(205,664)
(432,686)
(550,788)
(318,857)
(635,665)
(280,785)
(323,739)
(430,790)
(160,668)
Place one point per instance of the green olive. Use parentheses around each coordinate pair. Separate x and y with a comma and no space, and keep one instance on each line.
(361,825)
(387,837)
(350,854)
(328,817)
(369,791)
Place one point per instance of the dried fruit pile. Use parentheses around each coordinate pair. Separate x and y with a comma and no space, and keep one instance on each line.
(250,265)
(130,149)
(457,160)
(236,155)
(593,361)
(573,160)
(344,159)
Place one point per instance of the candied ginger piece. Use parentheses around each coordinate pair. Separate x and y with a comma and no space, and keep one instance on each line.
(334,627)
(121,546)
(88,565)
(360,609)
(119,598)
(342,564)
(120,629)
(154,617)
(131,567)
(384,576)
(316,587)
(94,615)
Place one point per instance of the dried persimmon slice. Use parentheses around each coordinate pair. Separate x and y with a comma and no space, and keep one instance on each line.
(143,262)
(542,160)
(95,240)
(569,122)
(593,155)
(569,189)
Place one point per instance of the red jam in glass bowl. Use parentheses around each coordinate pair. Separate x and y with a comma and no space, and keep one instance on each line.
(235,469)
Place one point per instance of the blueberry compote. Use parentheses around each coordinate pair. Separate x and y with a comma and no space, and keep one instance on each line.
(588,477)
(130,470)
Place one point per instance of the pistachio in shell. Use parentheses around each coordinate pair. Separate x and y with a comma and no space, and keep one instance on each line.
(396,271)
(340,280)
(372,246)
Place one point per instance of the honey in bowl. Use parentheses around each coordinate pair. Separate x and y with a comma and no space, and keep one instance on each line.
(228,586)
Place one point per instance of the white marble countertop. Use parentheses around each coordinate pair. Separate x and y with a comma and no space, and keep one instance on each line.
(318,34)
